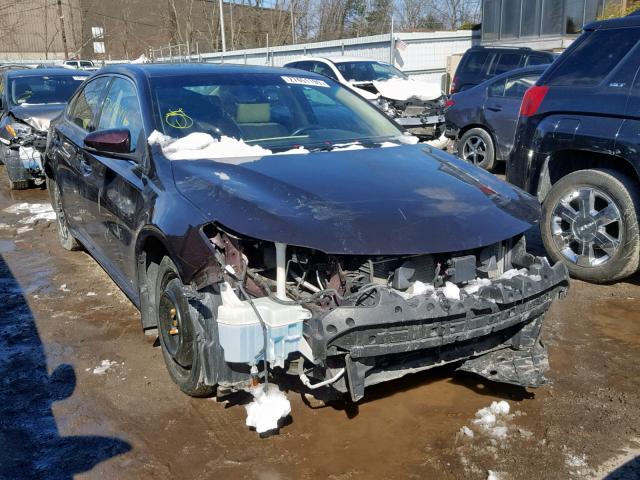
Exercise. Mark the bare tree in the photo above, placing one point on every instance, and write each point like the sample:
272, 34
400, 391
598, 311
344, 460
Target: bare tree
453, 13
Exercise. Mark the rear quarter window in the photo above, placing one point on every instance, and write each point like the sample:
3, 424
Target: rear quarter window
507, 62
598, 54
477, 62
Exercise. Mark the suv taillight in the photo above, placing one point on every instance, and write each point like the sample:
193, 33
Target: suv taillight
532, 99
452, 88
449, 103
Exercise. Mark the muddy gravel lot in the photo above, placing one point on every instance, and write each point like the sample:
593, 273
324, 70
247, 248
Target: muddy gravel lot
84, 393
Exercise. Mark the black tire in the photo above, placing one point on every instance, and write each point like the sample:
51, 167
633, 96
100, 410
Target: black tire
180, 348
67, 240
476, 146
603, 244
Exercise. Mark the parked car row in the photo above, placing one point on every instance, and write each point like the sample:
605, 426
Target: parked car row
569, 134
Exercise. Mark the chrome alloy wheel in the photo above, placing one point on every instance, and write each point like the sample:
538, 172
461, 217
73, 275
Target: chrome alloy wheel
474, 150
586, 226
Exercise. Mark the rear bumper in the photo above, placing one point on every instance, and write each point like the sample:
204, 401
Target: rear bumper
495, 331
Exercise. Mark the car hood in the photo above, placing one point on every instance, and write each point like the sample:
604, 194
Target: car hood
380, 201
37, 116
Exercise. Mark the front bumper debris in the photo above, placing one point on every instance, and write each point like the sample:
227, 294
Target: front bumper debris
495, 331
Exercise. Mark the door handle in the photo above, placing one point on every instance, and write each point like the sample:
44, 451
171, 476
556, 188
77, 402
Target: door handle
85, 167
495, 109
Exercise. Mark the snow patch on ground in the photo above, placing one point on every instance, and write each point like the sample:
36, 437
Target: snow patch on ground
491, 420
267, 408
104, 366
22, 230
37, 211
403, 89
63, 288
491, 475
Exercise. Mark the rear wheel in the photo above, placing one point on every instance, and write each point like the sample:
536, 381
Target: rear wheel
177, 331
590, 222
476, 146
67, 240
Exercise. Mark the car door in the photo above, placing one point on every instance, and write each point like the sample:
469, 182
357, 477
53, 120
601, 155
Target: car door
66, 146
117, 183
502, 108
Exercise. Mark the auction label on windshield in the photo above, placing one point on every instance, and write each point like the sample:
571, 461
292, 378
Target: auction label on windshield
311, 82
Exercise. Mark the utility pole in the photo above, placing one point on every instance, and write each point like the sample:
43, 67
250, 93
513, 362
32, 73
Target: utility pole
293, 24
224, 42
62, 32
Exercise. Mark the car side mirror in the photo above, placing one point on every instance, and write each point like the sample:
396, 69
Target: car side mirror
114, 141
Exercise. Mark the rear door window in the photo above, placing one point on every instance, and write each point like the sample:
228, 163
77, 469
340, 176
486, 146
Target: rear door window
496, 89
595, 57
323, 69
516, 86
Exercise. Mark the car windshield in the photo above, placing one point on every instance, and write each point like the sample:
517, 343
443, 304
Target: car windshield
45, 89
368, 71
277, 112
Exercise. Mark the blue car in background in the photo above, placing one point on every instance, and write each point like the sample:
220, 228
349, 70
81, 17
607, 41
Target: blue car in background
482, 120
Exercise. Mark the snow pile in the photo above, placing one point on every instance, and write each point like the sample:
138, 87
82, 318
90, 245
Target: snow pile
267, 408
402, 90
419, 288
37, 211
492, 419
103, 367
493, 475
63, 288
474, 285
200, 145
451, 291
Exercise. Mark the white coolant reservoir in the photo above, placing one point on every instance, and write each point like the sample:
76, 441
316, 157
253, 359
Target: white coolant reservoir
240, 332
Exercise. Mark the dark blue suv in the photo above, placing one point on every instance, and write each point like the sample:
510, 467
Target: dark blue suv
577, 149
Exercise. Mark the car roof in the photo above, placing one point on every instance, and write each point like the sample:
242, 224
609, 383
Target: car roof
43, 72
340, 59
150, 70
510, 73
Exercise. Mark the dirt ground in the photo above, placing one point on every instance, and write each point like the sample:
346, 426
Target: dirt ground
60, 417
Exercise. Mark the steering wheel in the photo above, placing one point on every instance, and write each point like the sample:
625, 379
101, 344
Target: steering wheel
308, 128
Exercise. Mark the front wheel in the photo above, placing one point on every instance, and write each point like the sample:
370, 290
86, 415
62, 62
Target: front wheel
476, 146
67, 240
590, 222
178, 327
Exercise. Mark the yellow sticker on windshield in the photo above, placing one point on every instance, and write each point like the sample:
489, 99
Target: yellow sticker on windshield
178, 119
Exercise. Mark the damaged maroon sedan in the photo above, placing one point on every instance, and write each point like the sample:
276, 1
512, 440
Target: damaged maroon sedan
270, 220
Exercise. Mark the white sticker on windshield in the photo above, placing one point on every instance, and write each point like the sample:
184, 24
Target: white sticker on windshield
311, 82
79, 78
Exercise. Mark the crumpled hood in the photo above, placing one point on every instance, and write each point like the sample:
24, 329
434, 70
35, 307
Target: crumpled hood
404, 89
37, 116
381, 201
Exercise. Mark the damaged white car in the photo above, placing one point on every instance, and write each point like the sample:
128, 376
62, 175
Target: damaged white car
415, 104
